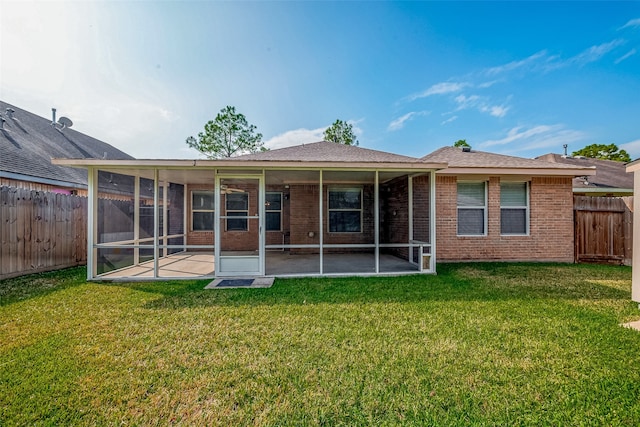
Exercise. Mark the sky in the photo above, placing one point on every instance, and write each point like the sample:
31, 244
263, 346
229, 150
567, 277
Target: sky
517, 78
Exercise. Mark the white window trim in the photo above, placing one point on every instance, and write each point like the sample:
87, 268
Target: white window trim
227, 217
329, 210
266, 211
194, 210
527, 209
484, 208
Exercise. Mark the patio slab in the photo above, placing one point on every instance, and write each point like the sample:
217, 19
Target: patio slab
632, 325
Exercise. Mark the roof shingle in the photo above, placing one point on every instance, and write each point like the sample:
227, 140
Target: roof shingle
28, 143
480, 159
324, 151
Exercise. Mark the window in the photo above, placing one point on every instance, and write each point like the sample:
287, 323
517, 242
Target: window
345, 210
202, 205
237, 204
472, 209
514, 208
273, 211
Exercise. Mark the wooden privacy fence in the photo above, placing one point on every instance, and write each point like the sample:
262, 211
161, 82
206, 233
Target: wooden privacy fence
41, 231
603, 229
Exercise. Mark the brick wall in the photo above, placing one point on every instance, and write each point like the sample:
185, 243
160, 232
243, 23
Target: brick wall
305, 219
394, 200
551, 224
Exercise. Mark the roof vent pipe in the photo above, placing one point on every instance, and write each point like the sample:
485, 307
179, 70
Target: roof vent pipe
466, 149
2, 122
53, 121
10, 112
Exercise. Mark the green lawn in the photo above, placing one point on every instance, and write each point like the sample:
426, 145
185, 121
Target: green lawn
478, 344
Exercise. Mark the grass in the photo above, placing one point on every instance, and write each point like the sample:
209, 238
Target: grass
478, 344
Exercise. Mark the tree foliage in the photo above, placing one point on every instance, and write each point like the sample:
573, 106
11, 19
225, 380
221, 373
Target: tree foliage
461, 143
604, 152
341, 133
228, 135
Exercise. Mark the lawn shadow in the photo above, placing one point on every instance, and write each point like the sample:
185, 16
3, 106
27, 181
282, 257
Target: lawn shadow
454, 282
35, 285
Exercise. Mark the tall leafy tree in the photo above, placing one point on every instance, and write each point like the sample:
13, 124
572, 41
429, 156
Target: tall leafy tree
604, 152
341, 133
228, 135
461, 143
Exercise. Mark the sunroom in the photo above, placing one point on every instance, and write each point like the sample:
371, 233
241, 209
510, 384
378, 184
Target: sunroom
314, 210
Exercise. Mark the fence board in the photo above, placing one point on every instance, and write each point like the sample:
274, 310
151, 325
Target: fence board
40, 231
603, 229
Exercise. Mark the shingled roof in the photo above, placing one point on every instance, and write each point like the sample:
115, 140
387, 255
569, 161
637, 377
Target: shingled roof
477, 161
610, 175
28, 142
324, 151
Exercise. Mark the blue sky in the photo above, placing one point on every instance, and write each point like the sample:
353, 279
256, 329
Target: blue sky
519, 78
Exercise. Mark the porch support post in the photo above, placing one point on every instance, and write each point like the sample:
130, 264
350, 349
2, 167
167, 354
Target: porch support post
92, 225
320, 234
216, 226
156, 222
376, 220
136, 220
432, 219
165, 219
410, 216
185, 215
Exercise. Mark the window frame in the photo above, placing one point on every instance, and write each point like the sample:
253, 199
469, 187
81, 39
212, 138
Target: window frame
212, 210
526, 208
329, 209
484, 208
267, 211
244, 217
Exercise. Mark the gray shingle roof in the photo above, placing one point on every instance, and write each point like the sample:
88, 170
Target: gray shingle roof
609, 174
327, 152
480, 159
28, 143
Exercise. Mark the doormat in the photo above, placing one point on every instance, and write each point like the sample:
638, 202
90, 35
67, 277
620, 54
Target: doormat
241, 282
234, 283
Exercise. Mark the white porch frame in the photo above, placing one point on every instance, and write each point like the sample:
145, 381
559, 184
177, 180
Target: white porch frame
426, 251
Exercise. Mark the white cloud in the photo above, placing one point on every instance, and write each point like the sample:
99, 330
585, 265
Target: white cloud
536, 137
439, 89
400, 121
594, 53
626, 56
449, 120
495, 110
632, 147
465, 102
297, 137
632, 23
474, 101
530, 61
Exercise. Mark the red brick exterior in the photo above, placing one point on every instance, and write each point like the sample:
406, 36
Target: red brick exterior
305, 219
550, 228
550, 221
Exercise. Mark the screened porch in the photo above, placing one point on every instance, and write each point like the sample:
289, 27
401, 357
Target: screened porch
205, 222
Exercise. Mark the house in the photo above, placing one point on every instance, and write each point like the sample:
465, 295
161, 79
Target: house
28, 142
494, 207
634, 167
323, 209
611, 178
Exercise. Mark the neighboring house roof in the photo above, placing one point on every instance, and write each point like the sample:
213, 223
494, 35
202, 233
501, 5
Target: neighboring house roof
610, 177
28, 142
324, 151
480, 162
